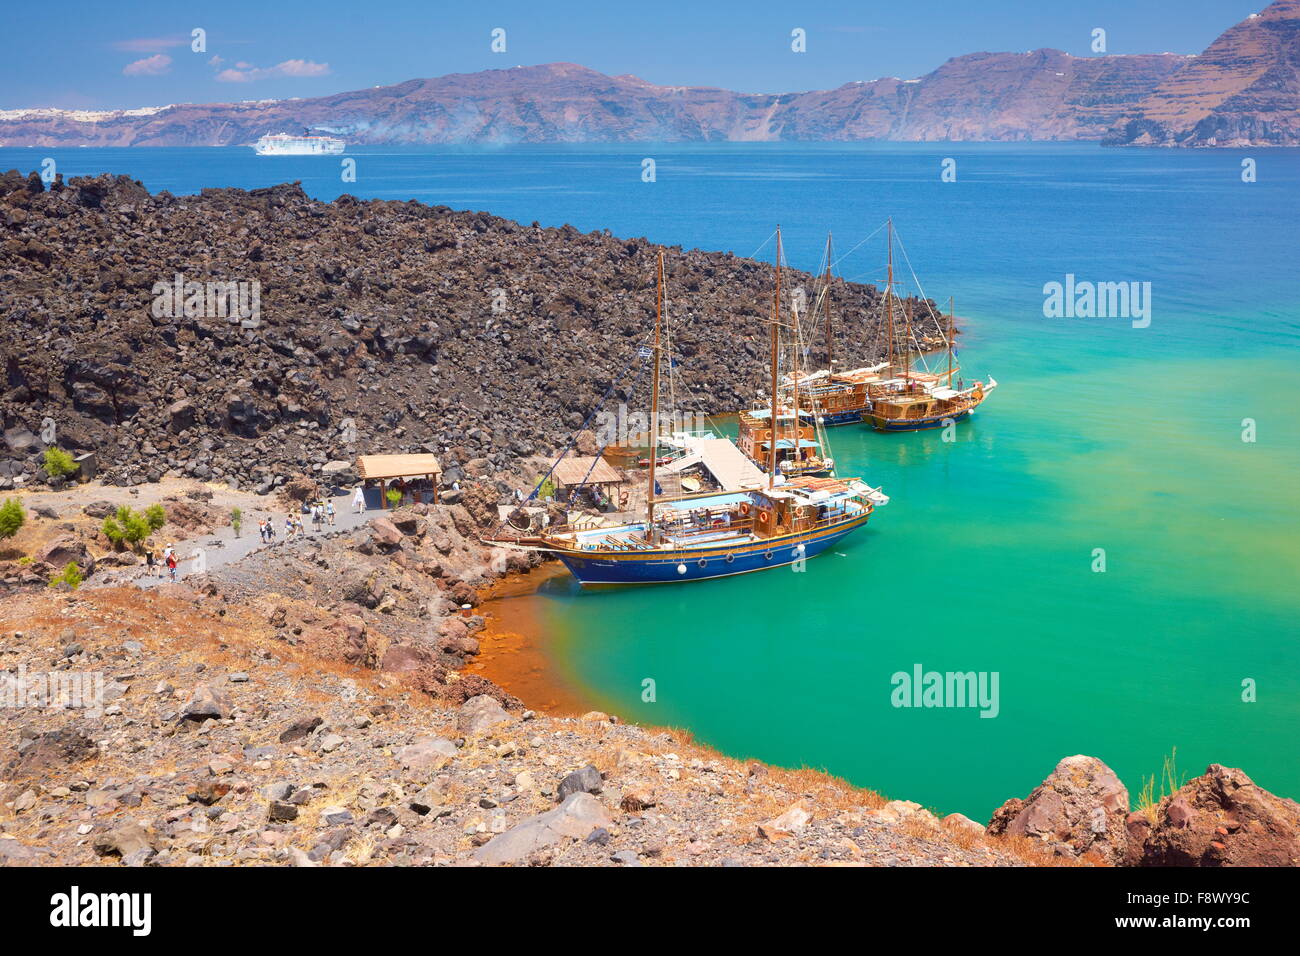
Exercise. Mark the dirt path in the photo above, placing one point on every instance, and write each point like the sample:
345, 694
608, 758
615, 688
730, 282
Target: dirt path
211, 551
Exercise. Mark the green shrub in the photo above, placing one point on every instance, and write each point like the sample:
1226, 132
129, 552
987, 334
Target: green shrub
12, 517
58, 463
236, 519
156, 515
394, 497
71, 575
113, 531
136, 527
129, 526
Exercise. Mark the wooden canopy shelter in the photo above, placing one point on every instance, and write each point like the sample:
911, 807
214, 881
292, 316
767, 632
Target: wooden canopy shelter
382, 468
569, 473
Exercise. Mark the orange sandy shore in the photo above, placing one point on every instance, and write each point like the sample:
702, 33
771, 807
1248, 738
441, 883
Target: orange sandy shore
512, 646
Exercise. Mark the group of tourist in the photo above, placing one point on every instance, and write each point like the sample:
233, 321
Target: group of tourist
320, 513
154, 566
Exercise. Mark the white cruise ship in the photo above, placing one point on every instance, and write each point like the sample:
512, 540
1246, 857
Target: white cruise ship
282, 144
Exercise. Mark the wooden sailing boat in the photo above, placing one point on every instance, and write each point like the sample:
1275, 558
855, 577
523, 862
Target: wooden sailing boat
829, 397
907, 400
892, 395
778, 436
694, 537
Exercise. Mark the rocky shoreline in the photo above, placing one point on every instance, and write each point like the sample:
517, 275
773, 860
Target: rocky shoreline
312, 704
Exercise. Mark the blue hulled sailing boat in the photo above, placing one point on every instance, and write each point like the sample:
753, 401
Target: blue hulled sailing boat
713, 534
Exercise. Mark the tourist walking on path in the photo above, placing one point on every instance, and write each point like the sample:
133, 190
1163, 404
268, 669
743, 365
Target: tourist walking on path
359, 501
288, 527
171, 563
329, 511
151, 566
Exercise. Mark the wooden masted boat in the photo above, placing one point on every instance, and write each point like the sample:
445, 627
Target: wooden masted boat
776, 437
911, 400
905, 406
710, 535
891, 396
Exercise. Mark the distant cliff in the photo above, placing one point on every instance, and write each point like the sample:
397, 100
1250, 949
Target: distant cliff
1243, 89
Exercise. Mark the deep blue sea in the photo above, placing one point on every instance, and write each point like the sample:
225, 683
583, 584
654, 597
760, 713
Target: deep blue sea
1101, 436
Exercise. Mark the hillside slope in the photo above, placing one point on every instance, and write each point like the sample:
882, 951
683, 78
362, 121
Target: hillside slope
384, 326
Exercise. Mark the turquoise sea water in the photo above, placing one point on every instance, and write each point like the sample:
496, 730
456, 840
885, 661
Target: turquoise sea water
1101, 436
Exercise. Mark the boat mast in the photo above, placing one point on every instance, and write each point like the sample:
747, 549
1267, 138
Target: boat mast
907, 344
794, 321
889, 293
950, 330
654, 403
826, 296
776, 318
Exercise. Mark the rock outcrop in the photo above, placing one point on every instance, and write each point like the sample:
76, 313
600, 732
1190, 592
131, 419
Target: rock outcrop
1079, 810
1219, 819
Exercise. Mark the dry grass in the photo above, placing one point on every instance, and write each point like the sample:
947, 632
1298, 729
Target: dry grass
1170, 782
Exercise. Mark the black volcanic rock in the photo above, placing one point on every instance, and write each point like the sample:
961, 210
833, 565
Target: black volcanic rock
383, 326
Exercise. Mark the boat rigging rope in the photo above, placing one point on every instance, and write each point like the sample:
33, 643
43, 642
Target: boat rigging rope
924, 298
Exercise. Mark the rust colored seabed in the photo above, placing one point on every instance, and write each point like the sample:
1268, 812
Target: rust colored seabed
512, 645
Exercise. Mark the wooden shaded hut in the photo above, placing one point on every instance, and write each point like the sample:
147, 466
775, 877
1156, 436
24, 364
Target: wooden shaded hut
408, 471
570, 474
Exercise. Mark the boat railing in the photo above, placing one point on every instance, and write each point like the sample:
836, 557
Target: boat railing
686, 528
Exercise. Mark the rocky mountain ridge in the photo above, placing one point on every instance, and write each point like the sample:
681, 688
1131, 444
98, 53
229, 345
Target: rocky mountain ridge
1242, 90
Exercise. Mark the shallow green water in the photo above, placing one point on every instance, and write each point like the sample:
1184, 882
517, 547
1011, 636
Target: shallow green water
1100, 436
983, 561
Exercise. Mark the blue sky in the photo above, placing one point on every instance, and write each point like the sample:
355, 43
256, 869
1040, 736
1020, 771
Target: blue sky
98, 55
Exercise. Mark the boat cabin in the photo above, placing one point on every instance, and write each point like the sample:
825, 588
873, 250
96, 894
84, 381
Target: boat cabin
898, 400
797, 447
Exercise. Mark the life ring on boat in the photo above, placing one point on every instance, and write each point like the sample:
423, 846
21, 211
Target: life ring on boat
763, 517
745, 508
623, 499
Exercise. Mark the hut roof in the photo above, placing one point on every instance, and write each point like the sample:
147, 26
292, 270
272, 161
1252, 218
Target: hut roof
398, 466
575, 471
